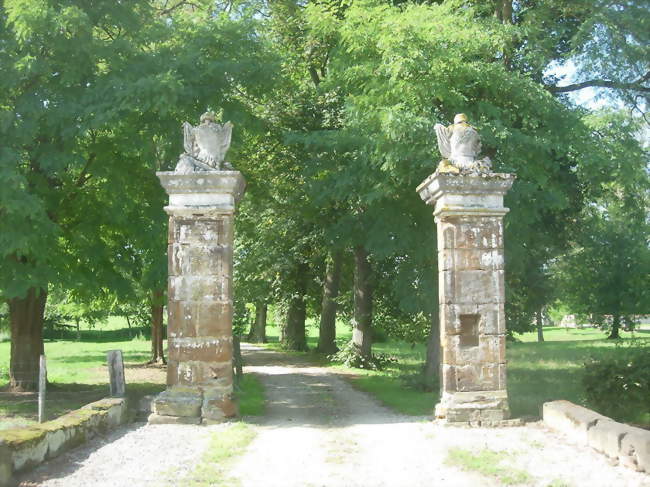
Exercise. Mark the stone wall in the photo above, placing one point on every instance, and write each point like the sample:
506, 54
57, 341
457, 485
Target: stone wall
24, 448
625, 444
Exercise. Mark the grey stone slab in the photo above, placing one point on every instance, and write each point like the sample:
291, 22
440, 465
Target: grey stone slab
161, 419
605, 436
570, 419
635, 449
185, 403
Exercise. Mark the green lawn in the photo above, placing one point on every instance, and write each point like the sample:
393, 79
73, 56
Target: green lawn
77, 375
537, 372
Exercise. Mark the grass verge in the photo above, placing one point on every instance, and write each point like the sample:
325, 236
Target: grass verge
488, 463
251, 396
225, 446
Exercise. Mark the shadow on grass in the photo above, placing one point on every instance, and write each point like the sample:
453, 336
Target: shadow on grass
100, 336
548, 371
100, 357
21, 408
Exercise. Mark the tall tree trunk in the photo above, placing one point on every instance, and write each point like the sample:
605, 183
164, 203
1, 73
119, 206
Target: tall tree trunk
294, 337
540, 325
258, 330
432, 362
157, 304
362, 331
26, 326
507, 12
128, 323
327, 329
616, 326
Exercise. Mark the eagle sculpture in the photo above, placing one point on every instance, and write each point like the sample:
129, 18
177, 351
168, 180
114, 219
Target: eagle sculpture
205, 145
460, 145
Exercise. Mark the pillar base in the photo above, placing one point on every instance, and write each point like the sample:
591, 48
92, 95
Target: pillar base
481, 408
193, 405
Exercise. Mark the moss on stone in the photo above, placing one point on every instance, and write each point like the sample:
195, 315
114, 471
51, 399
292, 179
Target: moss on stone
70, 420
104, 404
22, 437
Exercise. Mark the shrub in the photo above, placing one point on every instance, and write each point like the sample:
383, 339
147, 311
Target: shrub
349, 356
4, 373
618, 385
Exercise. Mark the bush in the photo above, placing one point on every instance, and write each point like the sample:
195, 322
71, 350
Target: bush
349, 356
618, 385
4, 373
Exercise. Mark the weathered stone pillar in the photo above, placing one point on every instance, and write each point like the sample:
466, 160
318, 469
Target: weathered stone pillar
469, 216
199, 336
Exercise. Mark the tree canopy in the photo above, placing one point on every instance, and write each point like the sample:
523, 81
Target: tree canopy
334, 104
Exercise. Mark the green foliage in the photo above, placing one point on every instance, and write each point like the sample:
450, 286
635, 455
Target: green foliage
349, 356
92, 97
607, 270
618, 384
4, 317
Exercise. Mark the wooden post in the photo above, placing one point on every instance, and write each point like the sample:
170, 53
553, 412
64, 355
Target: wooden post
42, 381
116, 372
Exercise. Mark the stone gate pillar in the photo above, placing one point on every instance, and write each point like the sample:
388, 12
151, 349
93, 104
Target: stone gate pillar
200, 307
469, 216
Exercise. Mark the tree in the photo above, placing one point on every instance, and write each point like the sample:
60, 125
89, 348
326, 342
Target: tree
258, 328
327, 326
90, 92
606, 273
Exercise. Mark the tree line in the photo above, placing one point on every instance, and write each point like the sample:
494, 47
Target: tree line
334, 104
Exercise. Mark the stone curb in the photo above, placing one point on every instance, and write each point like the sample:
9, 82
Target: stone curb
626, 444
25, 448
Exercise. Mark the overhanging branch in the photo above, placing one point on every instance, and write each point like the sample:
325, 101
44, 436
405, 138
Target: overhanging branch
601, 83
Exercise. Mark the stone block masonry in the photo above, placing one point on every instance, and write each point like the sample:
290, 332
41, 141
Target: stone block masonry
469, 215
628, 445
25, 448
200, 299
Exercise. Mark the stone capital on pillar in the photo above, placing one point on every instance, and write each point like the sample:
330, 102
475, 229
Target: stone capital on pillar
200, 301
453, 194
209, 191
468, 210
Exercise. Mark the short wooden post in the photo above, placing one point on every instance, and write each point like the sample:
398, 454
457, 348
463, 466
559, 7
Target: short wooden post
42, 381
116, 372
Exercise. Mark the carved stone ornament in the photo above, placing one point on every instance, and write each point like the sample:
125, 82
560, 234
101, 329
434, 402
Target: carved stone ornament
205, 146
460, 145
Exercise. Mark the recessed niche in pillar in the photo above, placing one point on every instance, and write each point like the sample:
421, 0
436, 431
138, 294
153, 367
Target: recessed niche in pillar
469, 330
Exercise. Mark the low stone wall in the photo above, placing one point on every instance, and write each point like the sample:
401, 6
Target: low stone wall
628, 445
24, 448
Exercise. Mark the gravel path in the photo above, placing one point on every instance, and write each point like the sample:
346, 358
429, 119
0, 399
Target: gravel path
136, 456
320, 432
